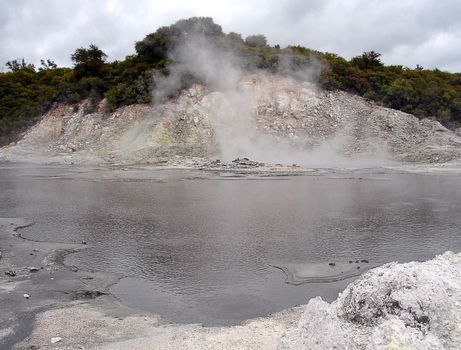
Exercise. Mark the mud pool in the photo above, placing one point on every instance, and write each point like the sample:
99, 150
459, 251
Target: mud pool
218, 249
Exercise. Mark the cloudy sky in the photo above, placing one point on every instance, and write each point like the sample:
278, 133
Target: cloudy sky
407, 32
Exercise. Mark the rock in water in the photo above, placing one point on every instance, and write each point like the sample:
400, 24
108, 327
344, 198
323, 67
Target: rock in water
396, 306
10, 273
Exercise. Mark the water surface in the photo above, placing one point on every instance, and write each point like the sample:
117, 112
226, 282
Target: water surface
197, 247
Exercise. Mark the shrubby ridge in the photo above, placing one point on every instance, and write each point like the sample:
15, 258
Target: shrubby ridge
26, 91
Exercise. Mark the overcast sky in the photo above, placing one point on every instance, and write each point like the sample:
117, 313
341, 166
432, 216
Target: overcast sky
406, 32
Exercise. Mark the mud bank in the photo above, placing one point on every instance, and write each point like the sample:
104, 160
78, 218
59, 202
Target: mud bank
33, 278
407, 306
41, 298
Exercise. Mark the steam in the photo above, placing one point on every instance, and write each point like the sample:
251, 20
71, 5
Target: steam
198, 58
231, 103
306, 71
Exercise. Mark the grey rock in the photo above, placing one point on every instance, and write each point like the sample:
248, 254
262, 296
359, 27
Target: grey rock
318, 329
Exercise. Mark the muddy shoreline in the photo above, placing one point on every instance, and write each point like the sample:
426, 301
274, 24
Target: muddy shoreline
52, 285
76, 305
61, 313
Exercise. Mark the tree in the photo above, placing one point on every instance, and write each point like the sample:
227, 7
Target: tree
197, 25
48, 64
14, 65
88, 62
368, 60
401, 94
235, 37
256, 40
156, 46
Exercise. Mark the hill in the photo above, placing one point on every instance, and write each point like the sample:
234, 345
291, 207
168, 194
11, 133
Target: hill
266, 117
26, 92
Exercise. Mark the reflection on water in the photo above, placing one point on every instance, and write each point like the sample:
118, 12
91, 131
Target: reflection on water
199, 248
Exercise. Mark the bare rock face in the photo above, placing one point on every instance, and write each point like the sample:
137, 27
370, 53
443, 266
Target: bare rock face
396, 306
267, 118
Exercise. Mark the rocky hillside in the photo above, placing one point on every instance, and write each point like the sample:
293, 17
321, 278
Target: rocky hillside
268, 118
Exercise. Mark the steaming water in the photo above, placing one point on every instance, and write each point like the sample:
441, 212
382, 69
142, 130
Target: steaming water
196, 247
